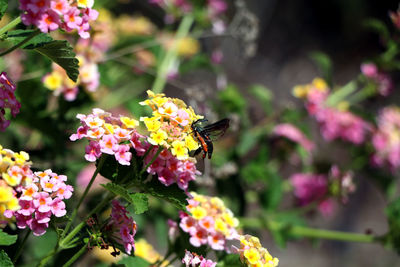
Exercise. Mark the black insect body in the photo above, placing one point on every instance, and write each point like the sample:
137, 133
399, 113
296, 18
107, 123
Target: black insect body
205, 135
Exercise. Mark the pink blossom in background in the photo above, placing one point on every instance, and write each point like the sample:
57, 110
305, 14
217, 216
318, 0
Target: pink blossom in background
84, 176
383, 80
7, 100
293, 133
335, 124
395, 17
323, 189
386, 139
309, 187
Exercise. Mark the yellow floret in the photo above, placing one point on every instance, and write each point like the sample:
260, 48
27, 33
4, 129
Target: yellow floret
11, 180
198, 213
179, 150
53, 81
190, 143
152, 124
252, 255
129, 123
158, 138
320, 84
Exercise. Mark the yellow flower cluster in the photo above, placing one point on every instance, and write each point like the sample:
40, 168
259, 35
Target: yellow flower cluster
188, 47
253, 254
146, 251
301, 91
170, 124
213, 207
14, 170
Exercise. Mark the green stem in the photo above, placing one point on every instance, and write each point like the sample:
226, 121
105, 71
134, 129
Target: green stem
48, 257
74, 213
302, 231
64, 242
76, 256
171, 54
27, 39
160, 148
21, 246
10, 25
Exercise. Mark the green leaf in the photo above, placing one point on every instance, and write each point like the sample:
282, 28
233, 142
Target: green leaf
5, 260
172, 193
342, 93
140, 202
392, 238
324, 64
6, 239
3, 7
247, 141
118, 190
230, 260
379, 27
264, 96
58, 51
134, 262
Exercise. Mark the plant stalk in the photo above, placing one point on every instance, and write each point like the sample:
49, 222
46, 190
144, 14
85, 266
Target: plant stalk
171, 54
10, 25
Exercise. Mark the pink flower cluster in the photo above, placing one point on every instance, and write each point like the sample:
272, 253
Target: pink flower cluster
383, 81
210, 222
40, 200
171, 170
335, 123
7, 100
124, 225
293, 133
49, 15
322, 188
386, 139
116, 136
193, 260
107, 134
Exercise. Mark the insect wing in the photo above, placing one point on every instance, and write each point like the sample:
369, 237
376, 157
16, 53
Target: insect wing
216, 129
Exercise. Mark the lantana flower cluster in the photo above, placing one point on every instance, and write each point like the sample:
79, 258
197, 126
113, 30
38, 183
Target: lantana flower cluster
122, 226
294, 134
170, 124
193, 260
50, 15
7, 100
108, 134
117, 136
209, 222
254, 254
15, 174
40, 200
322, 189
386, 138
335, 121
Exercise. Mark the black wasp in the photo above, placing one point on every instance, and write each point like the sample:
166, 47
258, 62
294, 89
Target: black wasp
205, 134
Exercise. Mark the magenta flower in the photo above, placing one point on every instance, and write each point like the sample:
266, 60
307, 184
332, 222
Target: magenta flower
383, 81
122, 155
293, 133
7, 100
123, 228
